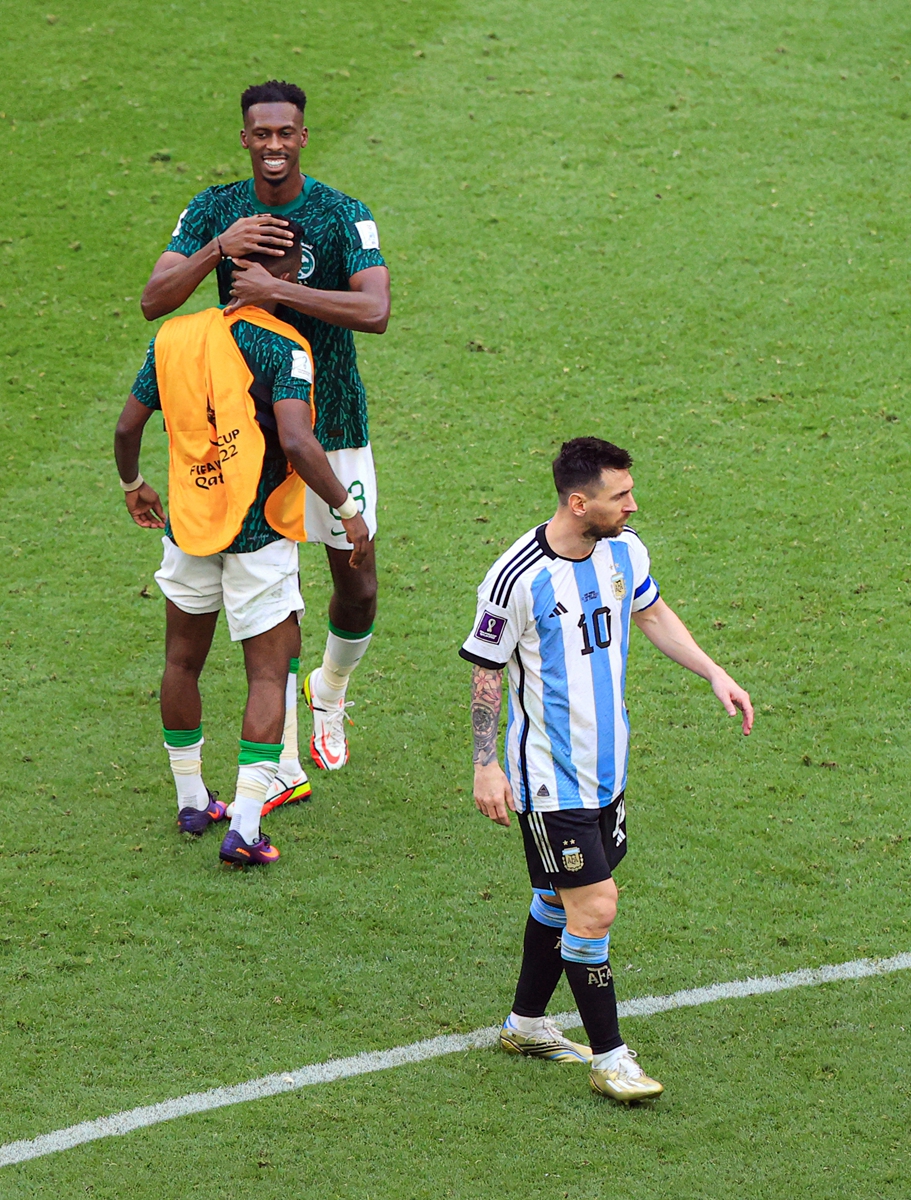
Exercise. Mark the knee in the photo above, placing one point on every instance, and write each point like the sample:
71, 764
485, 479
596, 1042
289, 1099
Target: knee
363, 596
179, 662
596, 922
598, 914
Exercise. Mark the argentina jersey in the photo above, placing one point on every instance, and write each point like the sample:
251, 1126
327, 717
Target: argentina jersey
561, 627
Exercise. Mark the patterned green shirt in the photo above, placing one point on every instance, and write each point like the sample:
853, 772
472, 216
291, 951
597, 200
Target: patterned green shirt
279, 373
340, 239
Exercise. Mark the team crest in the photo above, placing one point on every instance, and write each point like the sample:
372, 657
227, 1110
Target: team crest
618, 586
572, 858
308, 264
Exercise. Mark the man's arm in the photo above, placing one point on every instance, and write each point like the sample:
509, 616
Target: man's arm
308, 458
492, 793
143, 503
175, 277
664, 629
364, 308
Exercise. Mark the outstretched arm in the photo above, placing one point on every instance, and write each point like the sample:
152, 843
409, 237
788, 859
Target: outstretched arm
664, 629
143, 503
492, 793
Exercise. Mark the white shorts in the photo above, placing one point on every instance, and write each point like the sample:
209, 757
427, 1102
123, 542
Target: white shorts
257, 591
355, 469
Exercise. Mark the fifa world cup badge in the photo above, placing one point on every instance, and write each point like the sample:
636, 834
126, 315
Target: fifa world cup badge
572, 857
618, 585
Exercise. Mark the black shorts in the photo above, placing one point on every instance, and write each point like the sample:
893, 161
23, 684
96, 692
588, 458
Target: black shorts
573, 846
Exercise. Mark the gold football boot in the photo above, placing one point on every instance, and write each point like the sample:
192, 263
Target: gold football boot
624, 1082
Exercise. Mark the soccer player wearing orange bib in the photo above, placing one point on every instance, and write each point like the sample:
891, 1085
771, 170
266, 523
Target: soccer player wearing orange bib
236, 392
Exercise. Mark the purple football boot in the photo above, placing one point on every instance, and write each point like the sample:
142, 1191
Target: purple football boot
235, 850
198, 820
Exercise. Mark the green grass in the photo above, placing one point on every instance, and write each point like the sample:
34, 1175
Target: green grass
744, 334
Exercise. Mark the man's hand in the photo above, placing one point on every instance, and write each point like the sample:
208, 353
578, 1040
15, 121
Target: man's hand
733, 697
492, 793
144, 506
359, 536
252, 284
262, 234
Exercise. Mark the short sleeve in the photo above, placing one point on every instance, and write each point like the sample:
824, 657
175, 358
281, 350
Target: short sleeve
497, 627
194, 226
360, 238
291, 369
645, 589
145, 389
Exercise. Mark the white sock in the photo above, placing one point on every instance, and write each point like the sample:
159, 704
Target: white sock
290, 766
525, 1024
609, 1059
186, 766
341, 656
252, 784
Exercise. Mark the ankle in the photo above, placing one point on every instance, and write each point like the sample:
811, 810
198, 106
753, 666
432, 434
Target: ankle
610, 1058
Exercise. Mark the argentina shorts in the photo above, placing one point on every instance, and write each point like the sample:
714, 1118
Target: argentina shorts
355, 469
257, 590
573, 846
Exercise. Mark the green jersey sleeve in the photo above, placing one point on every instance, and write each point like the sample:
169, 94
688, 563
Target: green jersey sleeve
293, 373
280, 367
194, 227
360, 239
145, 389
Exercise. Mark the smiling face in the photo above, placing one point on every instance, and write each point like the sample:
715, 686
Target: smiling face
602, 508
275, 135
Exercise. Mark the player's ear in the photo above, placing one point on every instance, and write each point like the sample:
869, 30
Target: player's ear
243, 139
305, 136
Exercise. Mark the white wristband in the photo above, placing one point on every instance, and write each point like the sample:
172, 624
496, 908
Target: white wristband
131, 487
348, 510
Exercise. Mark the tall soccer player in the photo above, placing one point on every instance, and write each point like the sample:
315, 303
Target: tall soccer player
342, 286
555, 611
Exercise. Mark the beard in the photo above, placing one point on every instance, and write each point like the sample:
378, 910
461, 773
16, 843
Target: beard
596, 533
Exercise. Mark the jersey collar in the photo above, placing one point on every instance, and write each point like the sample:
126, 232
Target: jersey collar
281, 210
541, 537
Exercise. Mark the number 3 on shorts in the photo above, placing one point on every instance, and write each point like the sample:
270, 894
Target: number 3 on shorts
356, 492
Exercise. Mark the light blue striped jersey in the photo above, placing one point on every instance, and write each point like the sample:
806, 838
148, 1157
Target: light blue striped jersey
562, 629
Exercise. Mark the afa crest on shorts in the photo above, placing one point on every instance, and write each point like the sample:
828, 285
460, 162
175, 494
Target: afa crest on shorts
572, 857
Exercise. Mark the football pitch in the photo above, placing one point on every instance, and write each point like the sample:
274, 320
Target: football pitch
683, 227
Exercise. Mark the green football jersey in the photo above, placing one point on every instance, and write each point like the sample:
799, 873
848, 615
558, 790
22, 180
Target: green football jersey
281, 371
340, 239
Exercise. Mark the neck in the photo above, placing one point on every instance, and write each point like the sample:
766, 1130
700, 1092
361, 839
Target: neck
268, 306
274, 195
564, 537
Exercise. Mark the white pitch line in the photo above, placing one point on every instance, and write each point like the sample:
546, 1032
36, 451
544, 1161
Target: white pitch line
381, 1060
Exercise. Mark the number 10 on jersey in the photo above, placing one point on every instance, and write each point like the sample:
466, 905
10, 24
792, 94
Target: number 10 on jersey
600, 630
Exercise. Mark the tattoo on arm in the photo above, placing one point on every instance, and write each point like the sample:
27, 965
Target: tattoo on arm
486, 700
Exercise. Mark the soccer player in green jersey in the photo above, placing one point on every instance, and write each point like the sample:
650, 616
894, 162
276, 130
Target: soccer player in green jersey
342, 286
254, 578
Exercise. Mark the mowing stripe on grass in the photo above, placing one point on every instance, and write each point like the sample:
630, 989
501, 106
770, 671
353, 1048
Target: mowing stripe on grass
381, 1060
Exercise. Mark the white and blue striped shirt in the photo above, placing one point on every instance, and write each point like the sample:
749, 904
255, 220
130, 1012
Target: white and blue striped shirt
562, 628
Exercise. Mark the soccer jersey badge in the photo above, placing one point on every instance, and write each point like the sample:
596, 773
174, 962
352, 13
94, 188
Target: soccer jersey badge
618, 585
572, 857
308, 263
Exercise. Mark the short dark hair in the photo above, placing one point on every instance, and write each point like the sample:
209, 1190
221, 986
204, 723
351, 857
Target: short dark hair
274, 91
581, 461
291, 257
